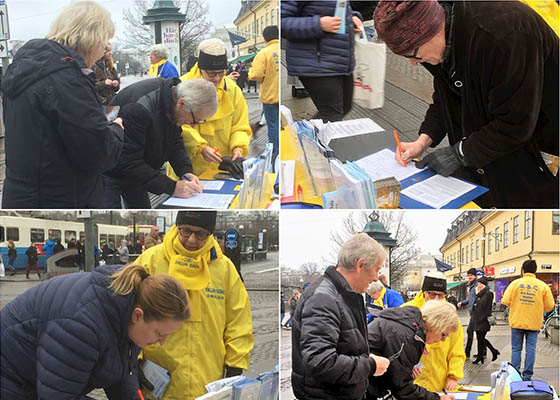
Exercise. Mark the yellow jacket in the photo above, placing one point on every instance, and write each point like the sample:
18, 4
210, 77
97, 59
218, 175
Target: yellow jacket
197, 352
444, 359
528, 298
548, 10
227, 129
265, 70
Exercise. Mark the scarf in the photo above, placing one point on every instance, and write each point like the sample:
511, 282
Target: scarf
190, 268
154, 68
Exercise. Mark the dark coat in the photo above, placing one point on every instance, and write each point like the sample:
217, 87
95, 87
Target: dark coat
67, 336
102, 73
12, 254
365, 8
497, 89
386, 334
31, 254
482, 309
330, 357
58, 140
151, 136
309, 50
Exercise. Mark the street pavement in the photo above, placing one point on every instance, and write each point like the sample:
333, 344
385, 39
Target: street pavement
546, 365
261, 280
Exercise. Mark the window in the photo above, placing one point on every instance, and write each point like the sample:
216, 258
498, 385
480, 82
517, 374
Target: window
69, 235
497, 236
489, 244
527, 224
262, 24
472, 251
462, 255
102, 238
55, 234
555, 222
112, 239
253, 29
467, 254
267, 18
119, 240
256, 30
37, 235
12, 233
516, 229
2, 234
506, 234
272, 17
82, 235
458, 256
477, 248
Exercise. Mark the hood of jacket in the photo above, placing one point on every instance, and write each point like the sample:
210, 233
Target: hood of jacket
409, 317
37, 59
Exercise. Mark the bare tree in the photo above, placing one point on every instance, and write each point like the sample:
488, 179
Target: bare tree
310, 268
395, 223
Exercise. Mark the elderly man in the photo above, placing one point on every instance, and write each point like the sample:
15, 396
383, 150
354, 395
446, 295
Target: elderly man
382, 297
152, 238
495, 69
218, 337
227, 133
443, 362
153, 112
159, 66
330, 356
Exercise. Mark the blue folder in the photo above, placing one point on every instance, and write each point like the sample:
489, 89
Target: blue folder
228, 188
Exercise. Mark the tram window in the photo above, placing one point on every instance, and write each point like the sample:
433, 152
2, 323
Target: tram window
82, 235
119, 240
12, 233
55, 234
2, 234
37, 235
102, 238
112, 239
69, 235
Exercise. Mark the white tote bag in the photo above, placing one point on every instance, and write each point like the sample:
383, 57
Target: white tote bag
369, 73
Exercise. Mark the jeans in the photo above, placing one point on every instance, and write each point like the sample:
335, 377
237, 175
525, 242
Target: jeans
111, 193
271, 113
530, 349
332, 95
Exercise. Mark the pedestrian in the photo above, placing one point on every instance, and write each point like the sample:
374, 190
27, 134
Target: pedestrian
152, 238
48, 248
495, 69
442, 363
160, 67
81, 254
153, 111
265, 71
527, 298
401, 335
222, 140
217, 339
366, 9
330, 354
322, 58
107, 81
282, 307
32, 260
452, 299
88, 338
12, 255
123, 252
53, 116
382, 297
58, 247
482, 310
293, 305
72, 243
471, 287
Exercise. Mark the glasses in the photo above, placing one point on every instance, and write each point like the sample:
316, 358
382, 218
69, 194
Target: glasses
397, 354
194, 121
200, 235
213, 74
444, 336
436, 295
414, 55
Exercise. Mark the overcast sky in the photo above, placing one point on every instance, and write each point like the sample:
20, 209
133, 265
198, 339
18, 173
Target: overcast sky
305, 234
31, 19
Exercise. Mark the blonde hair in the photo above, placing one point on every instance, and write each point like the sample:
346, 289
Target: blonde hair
440, 316
360, 245
213, 47
159, 296
374, 287
83, 26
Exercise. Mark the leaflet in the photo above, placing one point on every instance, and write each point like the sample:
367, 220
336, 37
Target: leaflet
202, 200
437, 190
212, 185
383, 165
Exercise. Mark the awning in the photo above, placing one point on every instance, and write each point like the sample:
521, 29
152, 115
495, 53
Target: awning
454, 284
244, 58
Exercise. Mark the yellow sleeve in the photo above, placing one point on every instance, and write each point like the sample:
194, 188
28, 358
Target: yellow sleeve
258, 69
456, 357
506, 298
548, 299
194, 143
238, 334
240, 130
144, 261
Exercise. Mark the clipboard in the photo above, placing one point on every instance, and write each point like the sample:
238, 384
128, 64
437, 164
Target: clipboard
230, 186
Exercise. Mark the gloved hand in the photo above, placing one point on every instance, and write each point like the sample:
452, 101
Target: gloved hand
143, 381
235, 168
232, 371
444, 161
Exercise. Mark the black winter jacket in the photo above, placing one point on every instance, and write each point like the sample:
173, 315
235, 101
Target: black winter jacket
31, 254
393, 329
482, 309
151, 136
330, 357
58, 141
497, 89
67, 336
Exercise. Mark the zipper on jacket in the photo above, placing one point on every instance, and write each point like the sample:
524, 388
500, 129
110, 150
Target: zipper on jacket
318, 50
129, 361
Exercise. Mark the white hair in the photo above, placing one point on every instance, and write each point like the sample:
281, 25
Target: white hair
198, 94
374, 287
360, 245
159, 50
213, 47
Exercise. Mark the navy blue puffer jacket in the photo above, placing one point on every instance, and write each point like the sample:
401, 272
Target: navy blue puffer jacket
310, 51
67, 336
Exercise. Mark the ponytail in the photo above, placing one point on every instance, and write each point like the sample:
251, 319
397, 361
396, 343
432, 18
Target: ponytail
128, 279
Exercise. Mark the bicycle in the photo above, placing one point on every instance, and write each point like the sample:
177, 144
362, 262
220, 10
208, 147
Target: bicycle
550, 319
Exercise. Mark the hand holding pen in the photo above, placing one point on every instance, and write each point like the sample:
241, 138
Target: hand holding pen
211, 155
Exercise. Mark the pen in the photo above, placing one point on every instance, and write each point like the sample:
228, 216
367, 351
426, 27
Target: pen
187, 178
140, 394
444, 391
300, 193
217, 150
399, 148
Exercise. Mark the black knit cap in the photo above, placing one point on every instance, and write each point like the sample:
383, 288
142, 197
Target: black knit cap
203, 219
471, 271
432, 283
212, 63
483, 280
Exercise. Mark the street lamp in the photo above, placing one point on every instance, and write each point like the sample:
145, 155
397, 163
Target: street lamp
242, 237
265, 247
375, 229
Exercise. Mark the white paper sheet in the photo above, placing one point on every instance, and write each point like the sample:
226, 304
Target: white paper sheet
437, 190
287, 177
202, 200
213, 185
458, 395
347, 128
383, 165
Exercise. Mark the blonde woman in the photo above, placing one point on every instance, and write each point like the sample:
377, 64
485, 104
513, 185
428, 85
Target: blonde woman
55, 126
74, 333
401, 335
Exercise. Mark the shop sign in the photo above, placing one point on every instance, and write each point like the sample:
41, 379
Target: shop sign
489, 271
507, 270
546, 266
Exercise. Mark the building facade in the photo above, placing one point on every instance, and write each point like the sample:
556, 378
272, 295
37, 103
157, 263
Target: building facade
251, 20
498, 242
417, 270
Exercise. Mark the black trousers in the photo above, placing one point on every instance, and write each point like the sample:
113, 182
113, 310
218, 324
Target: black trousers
470, 336
332, 95
483, 343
